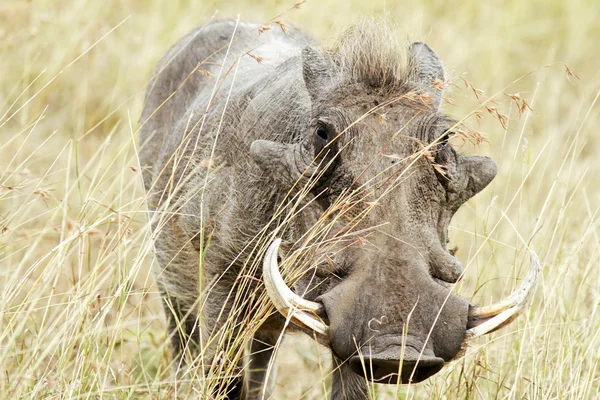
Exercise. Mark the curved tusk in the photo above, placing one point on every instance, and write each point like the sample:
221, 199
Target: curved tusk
484, 320
300, 311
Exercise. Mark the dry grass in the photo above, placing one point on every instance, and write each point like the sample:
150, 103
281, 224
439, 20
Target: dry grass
80, 316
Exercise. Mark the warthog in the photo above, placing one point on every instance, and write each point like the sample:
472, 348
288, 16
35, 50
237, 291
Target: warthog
252, 135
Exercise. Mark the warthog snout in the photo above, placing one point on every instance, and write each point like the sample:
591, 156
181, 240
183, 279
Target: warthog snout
391, 331
397, 364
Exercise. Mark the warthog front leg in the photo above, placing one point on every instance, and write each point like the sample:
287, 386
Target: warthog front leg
201, 355
261, 352
346, 385
183, 332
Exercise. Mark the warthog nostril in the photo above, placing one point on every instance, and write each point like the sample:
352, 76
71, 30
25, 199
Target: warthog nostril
386, 371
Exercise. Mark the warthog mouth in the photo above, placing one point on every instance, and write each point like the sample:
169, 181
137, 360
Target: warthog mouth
384, 366
388, 371
398, 359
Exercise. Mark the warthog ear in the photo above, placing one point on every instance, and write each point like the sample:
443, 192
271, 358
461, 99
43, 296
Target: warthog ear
317, 72
427, 70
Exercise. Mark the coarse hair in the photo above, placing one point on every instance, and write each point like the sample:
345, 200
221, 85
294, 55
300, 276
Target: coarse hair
369, 52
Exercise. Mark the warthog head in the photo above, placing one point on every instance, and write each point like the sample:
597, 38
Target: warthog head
384, 184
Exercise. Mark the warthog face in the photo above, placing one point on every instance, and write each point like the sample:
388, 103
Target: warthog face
380, 298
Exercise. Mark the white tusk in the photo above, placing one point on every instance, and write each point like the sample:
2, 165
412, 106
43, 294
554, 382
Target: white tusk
490, 318
300, 311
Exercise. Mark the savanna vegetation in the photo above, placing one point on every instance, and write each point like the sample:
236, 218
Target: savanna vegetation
80, 316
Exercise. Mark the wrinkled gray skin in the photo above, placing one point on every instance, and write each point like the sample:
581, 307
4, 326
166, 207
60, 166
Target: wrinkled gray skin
372, 289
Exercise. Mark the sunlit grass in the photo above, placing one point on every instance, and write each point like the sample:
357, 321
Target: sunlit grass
80, 315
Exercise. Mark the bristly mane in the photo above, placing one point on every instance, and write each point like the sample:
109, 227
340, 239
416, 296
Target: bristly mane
369, 52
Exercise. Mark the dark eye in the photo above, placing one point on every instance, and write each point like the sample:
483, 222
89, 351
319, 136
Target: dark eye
322, 132
443, 141
443, 155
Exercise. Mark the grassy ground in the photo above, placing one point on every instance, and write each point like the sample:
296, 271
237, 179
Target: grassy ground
80, 316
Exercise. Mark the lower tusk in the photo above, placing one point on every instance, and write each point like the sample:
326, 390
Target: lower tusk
300, 311
484, 320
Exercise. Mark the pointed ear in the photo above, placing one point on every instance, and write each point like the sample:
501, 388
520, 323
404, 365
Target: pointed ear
317, 72
427, 69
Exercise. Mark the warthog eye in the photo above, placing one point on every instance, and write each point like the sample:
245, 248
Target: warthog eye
325, 149
322, 132
445, 139
443, 155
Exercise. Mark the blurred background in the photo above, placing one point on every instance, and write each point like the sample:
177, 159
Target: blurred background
79, 314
